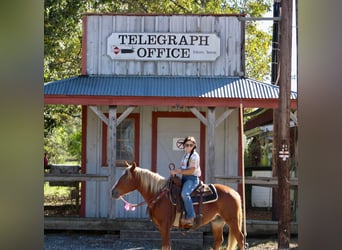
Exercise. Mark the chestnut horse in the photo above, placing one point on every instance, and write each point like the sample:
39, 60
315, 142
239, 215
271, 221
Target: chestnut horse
226, 209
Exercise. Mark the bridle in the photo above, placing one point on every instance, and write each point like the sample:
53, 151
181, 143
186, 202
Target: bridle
150, 203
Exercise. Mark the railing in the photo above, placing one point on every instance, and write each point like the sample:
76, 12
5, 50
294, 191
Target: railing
69, 173
259, 181
66, 201
74, 177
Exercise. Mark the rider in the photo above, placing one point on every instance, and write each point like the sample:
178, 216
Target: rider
190, 171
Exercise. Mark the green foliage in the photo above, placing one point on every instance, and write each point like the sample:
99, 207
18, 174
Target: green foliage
74, 145
62, 39
62, 132
62, 52
258, 53
59, 115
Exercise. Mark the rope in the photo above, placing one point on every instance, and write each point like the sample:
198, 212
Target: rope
131, 207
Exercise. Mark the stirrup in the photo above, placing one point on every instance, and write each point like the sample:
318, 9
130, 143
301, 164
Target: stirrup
246, 246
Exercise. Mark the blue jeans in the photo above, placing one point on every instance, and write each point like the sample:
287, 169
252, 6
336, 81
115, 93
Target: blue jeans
190, 182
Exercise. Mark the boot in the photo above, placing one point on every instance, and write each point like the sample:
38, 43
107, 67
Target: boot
187, 222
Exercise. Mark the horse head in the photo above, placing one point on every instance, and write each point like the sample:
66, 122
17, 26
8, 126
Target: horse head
126, 182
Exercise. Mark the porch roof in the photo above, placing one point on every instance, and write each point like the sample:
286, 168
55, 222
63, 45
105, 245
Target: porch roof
160, 90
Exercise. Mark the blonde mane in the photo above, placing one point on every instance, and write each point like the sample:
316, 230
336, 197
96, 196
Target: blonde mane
150, 181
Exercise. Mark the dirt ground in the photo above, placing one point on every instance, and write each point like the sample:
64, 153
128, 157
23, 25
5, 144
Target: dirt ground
104, 241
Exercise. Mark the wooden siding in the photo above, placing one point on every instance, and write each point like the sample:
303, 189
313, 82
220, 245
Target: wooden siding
99, 27
96, 198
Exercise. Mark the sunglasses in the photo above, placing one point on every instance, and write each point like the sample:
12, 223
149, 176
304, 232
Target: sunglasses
189, 145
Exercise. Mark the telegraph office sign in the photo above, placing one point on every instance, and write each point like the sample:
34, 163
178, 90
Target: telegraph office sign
163, 46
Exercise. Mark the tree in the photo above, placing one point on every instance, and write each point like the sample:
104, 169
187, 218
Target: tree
62, 132
62, 45
63, 31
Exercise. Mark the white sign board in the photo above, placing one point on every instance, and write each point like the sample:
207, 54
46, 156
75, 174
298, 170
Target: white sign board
177, 144
163, 46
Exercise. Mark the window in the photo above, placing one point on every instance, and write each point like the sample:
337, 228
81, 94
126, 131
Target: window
127, 142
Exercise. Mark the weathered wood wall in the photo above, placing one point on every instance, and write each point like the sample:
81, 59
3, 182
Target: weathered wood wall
227, 28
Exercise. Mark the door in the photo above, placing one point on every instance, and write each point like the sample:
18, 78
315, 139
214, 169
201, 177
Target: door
171, 130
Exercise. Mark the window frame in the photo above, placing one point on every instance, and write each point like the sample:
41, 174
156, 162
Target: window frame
121, 163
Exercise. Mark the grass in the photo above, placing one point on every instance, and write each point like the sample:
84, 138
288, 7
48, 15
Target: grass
56, 190
60, 193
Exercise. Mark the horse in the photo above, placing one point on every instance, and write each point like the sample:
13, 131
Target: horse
227, 209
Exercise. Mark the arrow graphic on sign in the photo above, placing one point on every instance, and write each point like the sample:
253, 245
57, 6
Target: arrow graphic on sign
284, 153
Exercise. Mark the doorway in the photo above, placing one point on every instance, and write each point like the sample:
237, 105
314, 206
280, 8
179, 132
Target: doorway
168, 130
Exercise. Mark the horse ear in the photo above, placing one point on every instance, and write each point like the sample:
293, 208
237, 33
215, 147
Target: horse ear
132, 167
127, 164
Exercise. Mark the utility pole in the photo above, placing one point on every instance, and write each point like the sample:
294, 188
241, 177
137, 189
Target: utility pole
275, 80
283, 145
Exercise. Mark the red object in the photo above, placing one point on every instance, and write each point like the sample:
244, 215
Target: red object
116, 50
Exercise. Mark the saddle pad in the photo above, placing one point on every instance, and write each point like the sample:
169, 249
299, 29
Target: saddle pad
206, 198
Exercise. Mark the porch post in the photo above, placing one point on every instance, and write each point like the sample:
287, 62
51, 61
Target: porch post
211, 144
111, 156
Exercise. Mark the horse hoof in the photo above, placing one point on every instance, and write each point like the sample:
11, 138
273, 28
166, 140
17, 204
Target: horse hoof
246, 245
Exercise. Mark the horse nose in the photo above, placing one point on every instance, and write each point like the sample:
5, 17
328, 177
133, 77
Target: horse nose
115, 193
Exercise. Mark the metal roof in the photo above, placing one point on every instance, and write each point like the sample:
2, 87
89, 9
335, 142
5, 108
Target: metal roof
164, 86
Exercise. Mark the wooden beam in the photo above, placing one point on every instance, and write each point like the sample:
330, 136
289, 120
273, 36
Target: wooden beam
223, 117
75, 177
283, 147
111, 155
254, 227
211, 145
260, 18
242, 172
112, 122
164, 101
211, 123
99, 114
104, 118
199, 115
258, 181
205, 120
125, 114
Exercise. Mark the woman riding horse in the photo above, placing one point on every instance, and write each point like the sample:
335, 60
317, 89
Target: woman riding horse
190, 171
227, 209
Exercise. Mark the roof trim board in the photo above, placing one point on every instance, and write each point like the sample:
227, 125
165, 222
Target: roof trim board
162, 101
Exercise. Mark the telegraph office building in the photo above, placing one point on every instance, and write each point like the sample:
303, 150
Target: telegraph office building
147, 82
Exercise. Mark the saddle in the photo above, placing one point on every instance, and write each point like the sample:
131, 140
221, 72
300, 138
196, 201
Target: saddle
203, 193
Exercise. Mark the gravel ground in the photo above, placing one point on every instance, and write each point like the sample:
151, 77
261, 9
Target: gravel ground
103, 241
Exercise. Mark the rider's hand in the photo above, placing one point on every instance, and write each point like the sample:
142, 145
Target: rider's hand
175, 171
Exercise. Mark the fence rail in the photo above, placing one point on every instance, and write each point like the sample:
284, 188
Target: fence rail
259, 181
75, 177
